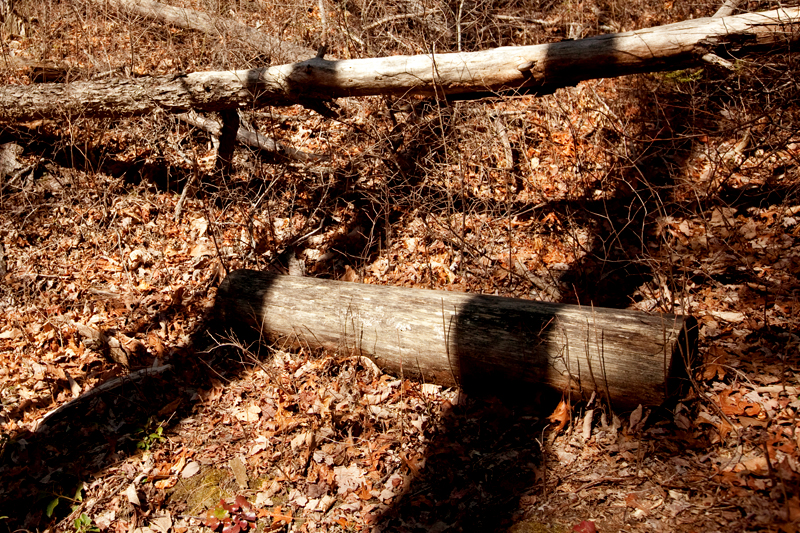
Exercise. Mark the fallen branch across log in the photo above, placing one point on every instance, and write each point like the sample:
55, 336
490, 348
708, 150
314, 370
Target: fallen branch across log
272, 47
539, 68
485, 344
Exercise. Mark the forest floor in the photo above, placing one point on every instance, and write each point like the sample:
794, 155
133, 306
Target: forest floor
125, 409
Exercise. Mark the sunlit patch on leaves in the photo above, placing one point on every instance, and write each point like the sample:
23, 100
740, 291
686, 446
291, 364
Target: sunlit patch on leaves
695, 176
231, 517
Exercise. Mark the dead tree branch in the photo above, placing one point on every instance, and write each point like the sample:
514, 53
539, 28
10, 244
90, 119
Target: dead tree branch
274, 48
250, 138
537, 69
479, 342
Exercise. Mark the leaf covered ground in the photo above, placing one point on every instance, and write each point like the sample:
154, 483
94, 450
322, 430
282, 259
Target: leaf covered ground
125, 407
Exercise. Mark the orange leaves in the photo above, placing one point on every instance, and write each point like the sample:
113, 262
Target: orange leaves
566, 141
279, 518
793, 512
735, 404
413, 463
586, 526
364, 493
716, 366
561, 415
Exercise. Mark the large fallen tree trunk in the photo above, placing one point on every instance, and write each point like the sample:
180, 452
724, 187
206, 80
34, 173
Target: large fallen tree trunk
539, 68
482, 343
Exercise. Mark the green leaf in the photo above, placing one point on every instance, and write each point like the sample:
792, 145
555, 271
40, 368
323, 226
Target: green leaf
83, 524
220, 513
51, 507
78, 496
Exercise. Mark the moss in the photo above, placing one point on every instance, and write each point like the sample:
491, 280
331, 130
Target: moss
684, 76
260, 483
203, 490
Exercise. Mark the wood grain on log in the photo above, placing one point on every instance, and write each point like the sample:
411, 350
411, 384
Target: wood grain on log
482, 343
539, 68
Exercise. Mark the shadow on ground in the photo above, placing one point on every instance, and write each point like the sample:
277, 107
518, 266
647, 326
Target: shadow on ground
476, 470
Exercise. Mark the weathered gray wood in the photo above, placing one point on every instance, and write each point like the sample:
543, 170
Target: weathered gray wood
226, 29
250, 138
486, 343
537, 68
727, 8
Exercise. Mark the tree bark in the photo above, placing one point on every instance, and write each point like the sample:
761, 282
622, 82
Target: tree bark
727, 9
540, 68
486, 344
272, 47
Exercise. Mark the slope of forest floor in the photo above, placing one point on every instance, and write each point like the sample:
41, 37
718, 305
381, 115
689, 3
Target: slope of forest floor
672, 192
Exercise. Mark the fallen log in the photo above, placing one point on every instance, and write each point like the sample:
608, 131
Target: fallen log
227, 29
539, 69
482, 343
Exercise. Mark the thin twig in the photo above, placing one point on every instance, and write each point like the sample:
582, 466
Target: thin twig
185, 192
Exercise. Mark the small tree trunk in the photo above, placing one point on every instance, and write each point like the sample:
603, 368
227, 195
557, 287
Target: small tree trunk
485, 344
227, 141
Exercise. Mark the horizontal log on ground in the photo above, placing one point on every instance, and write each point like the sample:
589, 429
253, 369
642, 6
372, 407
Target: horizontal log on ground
539, 68
482, 343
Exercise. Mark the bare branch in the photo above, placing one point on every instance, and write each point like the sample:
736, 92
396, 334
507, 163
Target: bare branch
196, 20
250, 138
538, 69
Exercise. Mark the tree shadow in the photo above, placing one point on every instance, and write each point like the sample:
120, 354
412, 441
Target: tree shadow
508, 355
488, 454
487, 457
42, 470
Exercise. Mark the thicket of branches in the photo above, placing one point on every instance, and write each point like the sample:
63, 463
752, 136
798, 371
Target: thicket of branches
671, 191
589, 174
